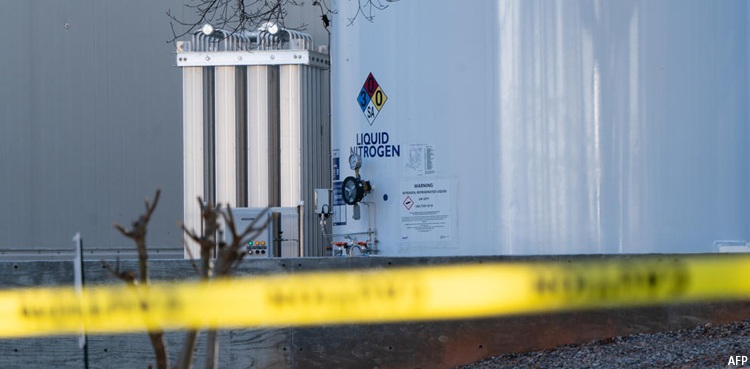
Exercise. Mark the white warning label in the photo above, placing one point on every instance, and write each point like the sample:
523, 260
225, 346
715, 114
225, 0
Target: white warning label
427, 211
420, 160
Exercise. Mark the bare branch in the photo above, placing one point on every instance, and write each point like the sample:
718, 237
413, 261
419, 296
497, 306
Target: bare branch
366, 8
150, 207
138, 233
230, 256
191, 234
191, 257
231, 15
207, 243
127, 276
324, 12
123, 231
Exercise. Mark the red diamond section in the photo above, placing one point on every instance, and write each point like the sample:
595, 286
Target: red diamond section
370, 85
408, 203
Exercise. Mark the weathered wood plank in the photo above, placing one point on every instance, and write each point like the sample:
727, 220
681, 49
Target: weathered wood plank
48, 352
265, 348
134, 350
35, 273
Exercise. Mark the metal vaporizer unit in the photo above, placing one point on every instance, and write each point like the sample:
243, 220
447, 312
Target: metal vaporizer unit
256, 127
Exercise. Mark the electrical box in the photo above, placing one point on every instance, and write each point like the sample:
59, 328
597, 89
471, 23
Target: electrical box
260, 244
281, 236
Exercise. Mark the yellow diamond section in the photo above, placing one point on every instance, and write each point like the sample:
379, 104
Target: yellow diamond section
378, 98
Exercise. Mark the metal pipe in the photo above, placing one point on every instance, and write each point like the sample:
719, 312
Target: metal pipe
372, 230
301, 220
208, 36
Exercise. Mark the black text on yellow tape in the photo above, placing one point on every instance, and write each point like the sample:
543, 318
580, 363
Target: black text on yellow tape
404, 294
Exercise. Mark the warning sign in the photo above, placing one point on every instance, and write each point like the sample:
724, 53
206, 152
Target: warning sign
371, 98
428, 212
408, 203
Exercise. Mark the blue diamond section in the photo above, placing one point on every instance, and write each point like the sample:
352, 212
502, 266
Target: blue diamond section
363, 99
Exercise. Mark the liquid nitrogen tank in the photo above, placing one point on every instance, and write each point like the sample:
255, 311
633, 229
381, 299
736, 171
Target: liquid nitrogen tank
540, 127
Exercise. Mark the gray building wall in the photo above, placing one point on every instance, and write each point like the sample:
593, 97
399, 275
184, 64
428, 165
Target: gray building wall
90, 120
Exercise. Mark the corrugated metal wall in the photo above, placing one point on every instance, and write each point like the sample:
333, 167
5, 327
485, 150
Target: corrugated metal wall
90, 120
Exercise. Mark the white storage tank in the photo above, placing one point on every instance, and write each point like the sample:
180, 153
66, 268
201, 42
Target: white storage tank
542, 127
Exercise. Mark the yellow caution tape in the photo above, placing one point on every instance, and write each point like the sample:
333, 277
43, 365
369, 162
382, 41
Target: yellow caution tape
399, 294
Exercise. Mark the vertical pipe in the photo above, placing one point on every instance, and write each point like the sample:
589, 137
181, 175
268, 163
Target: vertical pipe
263, 144
325, 155
305, 152
290, 135
226, 126
241, 135
318, 156
312, 161
257, 132
209, 140
209, 132
301, 229
312, 124
274, 151
262, 136
325, 94
192, 136
274, 136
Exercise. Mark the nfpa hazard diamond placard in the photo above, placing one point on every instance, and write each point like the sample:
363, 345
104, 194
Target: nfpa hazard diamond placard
371, 98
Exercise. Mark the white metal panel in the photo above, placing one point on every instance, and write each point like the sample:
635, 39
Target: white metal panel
304, 164
192, 136
322, 145
325, 116
226, 132
306, 184
256, 57
258, 133
318, 145
557, 126
290, 144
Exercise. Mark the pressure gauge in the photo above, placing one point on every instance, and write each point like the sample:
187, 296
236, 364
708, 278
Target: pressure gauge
355, 161
353, 190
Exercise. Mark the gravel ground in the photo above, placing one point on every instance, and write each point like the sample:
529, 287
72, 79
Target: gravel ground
708, 346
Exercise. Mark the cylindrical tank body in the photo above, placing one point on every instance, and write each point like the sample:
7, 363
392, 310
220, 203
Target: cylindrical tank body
543, 127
